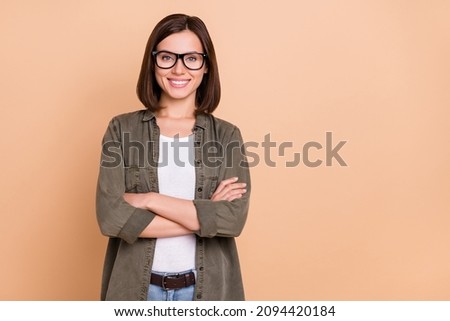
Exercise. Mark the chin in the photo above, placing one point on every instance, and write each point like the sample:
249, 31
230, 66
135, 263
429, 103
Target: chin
179, 95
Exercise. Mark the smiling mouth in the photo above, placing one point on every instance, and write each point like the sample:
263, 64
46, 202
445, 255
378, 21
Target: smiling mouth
178, 83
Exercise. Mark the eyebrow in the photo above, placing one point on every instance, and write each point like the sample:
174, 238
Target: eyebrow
179, 53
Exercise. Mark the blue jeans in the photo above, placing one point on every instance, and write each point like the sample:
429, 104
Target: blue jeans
157, 293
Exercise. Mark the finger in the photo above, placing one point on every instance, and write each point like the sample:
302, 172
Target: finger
235, 192
231, 188
230, 199
225, 183
230, 194
220, 194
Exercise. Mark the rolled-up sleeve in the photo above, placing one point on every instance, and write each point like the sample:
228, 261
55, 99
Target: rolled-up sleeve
224, 218
115, 216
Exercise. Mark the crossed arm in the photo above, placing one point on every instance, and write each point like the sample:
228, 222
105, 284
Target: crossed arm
177, 216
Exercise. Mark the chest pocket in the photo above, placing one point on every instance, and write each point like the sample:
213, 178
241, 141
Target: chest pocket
139, 179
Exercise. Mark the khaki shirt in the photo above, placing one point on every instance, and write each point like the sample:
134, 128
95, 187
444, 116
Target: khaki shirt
130, 154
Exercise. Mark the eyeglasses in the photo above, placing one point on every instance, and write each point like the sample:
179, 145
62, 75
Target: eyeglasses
191, 60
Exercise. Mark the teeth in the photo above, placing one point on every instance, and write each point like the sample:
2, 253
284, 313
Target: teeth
179, 82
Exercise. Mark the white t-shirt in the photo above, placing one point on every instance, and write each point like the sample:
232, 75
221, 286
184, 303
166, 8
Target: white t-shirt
176, 177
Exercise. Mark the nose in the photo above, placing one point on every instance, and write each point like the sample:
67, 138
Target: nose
179, 68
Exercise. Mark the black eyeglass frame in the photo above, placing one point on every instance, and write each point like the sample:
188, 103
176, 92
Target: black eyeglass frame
180, 56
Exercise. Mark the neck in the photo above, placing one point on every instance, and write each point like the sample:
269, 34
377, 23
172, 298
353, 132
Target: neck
172, 108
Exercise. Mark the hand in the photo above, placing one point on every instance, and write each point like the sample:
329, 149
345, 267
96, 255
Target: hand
229, 190
139, 200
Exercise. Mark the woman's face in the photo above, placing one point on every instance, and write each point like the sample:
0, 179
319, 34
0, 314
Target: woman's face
179, 82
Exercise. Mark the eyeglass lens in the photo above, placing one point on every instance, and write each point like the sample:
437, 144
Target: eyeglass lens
167, 60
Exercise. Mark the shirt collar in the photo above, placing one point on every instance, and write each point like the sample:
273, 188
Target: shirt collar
200, 121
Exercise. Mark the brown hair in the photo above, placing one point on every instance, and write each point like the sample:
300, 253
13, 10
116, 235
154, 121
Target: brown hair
208, 93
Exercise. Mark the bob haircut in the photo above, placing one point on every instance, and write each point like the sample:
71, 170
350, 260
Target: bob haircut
208, 93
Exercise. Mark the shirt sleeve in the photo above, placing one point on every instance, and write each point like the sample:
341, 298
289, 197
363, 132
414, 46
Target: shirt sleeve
115, 216
224, 218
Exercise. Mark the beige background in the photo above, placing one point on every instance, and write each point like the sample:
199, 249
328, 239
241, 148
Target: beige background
375, 73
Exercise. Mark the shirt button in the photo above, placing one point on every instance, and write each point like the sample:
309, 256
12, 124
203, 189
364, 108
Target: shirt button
201, 268
199, 296
199, 189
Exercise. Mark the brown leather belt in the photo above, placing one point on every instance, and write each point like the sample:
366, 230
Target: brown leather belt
172, 282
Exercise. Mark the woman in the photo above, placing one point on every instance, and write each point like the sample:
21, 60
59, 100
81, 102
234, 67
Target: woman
173, 188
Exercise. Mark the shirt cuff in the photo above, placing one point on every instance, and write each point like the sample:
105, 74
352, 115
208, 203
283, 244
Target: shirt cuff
206, 216
137, 222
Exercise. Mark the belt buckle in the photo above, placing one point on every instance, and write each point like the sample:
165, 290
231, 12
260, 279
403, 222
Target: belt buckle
163, 283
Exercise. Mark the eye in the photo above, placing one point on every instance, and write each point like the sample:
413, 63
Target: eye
166, 57
191, 58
